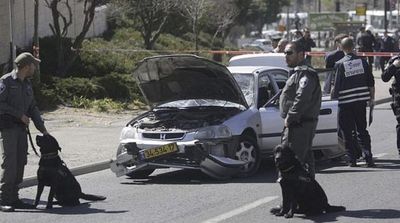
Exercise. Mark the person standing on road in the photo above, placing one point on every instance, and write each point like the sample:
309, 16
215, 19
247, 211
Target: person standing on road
300, 103
388, 44
17, 107
393, 70
366, 42
307, 43
330, 60
354, 86
280, 48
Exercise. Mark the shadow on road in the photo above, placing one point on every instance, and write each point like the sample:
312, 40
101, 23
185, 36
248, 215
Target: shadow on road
381, 165
265, 174
83, 208
361, 214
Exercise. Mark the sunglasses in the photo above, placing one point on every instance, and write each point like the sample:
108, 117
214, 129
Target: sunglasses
288, 53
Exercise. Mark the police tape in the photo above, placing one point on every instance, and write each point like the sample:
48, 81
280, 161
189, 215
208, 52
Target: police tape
228, 52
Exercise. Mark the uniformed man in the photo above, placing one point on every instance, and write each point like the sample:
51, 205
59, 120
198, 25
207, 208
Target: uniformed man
330, 60
300, 103
393, 70
354, 87
17, 107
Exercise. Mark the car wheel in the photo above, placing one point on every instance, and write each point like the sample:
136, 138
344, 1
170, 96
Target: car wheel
140, 174
247, 150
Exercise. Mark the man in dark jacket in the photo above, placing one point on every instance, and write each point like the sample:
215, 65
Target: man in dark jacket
393, 70
388, 44
300, 103
354, 87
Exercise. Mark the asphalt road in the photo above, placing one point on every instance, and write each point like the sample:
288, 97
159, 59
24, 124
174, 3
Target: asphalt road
170, 195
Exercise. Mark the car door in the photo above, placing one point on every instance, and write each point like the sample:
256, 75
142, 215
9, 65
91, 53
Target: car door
326, 134
272, 123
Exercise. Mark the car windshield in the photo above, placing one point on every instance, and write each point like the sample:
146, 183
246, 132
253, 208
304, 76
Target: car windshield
200, 103
246, 84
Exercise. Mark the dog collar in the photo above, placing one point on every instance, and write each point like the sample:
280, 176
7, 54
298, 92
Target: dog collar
50, 155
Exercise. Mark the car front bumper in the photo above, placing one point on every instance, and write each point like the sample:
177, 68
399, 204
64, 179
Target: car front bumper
190, 156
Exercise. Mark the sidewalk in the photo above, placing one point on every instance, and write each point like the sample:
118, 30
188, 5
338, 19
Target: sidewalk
89, 140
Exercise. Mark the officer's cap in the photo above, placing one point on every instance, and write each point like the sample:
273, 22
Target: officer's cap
26, 59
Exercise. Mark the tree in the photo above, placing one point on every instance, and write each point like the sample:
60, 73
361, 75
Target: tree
263, 12
223, 21
149, 16
60, 24
194, 10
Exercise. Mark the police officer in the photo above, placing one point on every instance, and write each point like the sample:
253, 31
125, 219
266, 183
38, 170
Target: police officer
393, 70
17, 107
330, 60
300, 103
354, 86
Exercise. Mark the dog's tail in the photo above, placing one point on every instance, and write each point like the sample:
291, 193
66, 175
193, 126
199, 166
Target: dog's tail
91, 197
332, 208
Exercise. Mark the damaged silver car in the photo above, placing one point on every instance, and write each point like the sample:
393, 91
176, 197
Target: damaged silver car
202, 117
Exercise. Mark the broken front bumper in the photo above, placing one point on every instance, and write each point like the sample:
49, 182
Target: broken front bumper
188, 157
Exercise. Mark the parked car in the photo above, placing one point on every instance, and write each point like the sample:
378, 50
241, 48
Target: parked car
262, 44
260, 59
205, 117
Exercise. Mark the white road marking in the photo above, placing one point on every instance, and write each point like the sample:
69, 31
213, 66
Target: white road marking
240, 210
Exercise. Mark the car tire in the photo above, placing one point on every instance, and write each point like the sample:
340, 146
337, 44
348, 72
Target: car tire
247, 150
140, 174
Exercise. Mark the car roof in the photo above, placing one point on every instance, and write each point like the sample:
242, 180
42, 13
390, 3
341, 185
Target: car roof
252, 69
260, 59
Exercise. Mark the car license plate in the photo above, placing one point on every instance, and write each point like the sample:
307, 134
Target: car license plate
160, 151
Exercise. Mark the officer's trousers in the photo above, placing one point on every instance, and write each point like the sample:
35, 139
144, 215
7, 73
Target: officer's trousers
299, 138
352, 118
396, 110
14, 146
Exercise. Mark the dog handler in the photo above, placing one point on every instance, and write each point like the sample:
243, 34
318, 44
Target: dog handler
17, 107
300, 103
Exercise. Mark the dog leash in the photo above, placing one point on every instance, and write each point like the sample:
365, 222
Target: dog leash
30, 139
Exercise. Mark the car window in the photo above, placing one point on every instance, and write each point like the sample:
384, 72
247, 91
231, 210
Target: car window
278, 81
265, 90
246, 84
326, 79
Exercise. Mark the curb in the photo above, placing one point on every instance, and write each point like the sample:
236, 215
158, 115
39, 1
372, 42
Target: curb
80, 170
99, 166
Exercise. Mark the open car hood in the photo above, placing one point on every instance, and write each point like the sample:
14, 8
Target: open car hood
182, 77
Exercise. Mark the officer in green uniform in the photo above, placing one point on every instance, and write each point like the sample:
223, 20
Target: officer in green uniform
300, 103
17, 107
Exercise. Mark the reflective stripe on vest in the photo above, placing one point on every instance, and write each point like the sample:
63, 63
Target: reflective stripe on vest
354, 94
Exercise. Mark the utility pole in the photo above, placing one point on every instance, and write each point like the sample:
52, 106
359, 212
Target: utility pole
385, 15
319, 34
11, 21
35, 47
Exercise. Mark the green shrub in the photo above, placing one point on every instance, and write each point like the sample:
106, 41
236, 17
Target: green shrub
116, 86
68, 88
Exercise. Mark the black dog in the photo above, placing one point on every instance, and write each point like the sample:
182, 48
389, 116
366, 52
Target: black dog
300, 193
54, 173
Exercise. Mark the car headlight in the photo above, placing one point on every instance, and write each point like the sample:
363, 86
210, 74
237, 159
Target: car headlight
128, 133
213, 132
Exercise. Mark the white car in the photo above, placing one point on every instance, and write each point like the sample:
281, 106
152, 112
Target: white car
205, 117
259, 59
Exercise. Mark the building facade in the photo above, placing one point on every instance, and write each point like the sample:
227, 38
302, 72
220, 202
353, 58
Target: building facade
17, 25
